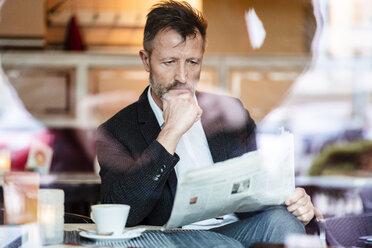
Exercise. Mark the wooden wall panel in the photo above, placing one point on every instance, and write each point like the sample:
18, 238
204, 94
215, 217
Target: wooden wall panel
285, 22
45, 92
20, 18
261, 90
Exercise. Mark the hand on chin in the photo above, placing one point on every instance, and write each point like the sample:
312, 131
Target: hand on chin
178, 92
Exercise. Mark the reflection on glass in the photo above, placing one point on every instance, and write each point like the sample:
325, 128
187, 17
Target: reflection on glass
59, 99
329, 102
328, 108
20, 197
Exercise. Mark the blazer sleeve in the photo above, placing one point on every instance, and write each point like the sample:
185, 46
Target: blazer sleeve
137, 181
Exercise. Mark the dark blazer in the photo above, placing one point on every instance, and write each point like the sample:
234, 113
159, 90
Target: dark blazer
138, 171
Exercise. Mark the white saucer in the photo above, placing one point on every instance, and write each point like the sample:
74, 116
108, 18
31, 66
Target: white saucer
129, 234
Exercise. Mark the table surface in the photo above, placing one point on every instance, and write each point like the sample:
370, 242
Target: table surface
206, 238
152, 237
75, 227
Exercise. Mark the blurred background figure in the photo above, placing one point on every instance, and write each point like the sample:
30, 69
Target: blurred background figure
329, 106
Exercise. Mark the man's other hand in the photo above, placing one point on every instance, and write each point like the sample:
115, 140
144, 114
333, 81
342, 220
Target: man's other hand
300, 205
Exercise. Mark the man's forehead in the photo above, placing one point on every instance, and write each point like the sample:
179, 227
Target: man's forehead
167, 40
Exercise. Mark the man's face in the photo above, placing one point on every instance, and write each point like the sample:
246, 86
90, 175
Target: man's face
175, 64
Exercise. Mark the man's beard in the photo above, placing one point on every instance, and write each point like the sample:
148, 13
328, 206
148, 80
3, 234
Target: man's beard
162, 91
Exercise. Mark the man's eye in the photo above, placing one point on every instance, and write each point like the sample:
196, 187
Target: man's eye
169, 62
193, 62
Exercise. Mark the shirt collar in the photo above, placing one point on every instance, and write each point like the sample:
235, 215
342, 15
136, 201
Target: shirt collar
155, 108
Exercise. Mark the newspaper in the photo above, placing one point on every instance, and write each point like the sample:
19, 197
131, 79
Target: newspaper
247, 183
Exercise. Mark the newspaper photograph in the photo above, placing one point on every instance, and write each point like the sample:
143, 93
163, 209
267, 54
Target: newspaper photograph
247, 183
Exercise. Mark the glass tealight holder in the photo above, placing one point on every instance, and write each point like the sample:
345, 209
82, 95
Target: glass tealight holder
51, 215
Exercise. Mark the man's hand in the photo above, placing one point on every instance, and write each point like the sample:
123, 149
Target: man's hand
180, 113
300, 205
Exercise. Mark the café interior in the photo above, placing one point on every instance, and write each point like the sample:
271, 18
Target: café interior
67, 66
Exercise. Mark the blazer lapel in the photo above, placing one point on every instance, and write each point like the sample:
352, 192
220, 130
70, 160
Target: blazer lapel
146, 118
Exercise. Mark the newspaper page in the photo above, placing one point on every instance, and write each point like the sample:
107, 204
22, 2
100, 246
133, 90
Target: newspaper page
247, 183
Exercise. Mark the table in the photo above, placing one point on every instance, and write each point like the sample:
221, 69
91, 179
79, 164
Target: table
152, 237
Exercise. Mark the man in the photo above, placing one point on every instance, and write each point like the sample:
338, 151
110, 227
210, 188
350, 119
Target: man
144, 148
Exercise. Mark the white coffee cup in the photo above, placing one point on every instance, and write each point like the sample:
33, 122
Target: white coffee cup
110, 217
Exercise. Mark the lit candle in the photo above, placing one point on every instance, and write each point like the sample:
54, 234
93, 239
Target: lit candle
50, 216
4, 160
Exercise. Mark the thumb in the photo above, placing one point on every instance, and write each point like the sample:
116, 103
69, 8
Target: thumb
199, 114
165, 104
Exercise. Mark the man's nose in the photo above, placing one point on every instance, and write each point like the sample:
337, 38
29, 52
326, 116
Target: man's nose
181, 73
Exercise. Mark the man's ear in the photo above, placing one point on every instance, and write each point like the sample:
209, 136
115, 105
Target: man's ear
145, 57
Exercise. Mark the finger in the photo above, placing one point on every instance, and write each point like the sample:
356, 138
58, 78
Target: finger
199, 113
300, 203
183, 95
165, 104
305, 218
166, 97
295, 196
303, 210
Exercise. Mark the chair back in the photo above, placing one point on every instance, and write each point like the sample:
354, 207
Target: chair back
1, 215
346, 230
366, 196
